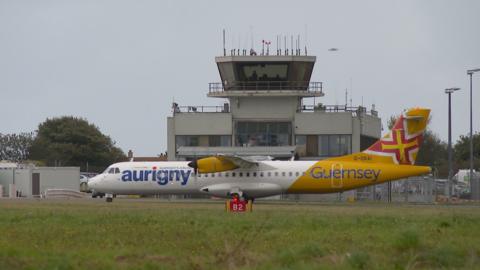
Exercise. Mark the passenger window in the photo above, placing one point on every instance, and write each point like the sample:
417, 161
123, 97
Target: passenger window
297, 174
240, 174
199, 175
276, 173
261, 174
226, 174
247, 174
219, 174
254, 174
304, 173
213, 175
283, 173
269, 174
290, 174
233, 174
206, 175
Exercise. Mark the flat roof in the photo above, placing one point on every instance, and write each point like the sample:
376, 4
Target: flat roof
266, 58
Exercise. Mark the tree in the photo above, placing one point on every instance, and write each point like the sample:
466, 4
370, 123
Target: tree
71, 141
15, 147
462, 151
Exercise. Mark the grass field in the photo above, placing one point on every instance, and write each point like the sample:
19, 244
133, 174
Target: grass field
150, 234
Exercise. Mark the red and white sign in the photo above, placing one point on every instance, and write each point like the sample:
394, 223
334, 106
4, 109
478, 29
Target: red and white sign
238, 206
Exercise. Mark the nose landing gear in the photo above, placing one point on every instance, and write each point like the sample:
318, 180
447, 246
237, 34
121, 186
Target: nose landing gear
109, 197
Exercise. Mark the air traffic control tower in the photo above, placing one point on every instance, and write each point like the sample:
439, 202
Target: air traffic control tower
266, 113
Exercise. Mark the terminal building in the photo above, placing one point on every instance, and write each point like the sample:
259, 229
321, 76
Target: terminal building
266, 114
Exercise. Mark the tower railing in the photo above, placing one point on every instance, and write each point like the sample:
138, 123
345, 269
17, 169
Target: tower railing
265, 85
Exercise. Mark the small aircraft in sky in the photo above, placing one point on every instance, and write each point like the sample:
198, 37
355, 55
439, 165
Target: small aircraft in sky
229, 176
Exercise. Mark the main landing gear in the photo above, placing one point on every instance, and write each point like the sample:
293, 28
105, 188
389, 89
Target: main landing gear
238, 204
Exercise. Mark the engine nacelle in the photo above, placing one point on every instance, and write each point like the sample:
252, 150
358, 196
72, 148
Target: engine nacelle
212, 165
251, 190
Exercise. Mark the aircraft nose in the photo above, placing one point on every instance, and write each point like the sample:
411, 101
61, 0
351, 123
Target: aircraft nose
92, 183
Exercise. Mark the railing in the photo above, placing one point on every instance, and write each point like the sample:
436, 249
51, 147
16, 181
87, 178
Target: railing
201, 109
265, 85
336, 108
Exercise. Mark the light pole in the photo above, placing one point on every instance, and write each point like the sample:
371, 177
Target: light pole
472, 185
449, 92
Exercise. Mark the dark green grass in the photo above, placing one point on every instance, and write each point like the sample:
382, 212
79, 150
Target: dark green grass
149, 234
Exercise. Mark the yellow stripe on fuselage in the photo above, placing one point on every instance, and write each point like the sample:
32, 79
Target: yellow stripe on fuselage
334, 176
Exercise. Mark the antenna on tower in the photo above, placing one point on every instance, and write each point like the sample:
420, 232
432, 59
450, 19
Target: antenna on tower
291, 43
346, 98
286, 49
251, 37
277, 44
305, 39
224, 50
298, 47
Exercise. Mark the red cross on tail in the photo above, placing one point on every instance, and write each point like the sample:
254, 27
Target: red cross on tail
401, 144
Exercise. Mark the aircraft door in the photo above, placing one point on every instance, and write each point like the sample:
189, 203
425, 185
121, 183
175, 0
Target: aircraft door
336, 175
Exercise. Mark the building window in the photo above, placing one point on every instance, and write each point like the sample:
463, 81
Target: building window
334, 145
219, 140
263, 133
203, 140
187, 140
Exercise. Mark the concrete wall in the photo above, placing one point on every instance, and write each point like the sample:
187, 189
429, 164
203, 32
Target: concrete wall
23, 182
202, 124
5, 179
264, 108
323, 123
371, 126
58, 177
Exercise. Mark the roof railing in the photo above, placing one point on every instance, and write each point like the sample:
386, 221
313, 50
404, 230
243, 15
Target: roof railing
337, 108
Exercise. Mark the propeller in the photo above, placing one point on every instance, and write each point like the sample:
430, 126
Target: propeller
193, 164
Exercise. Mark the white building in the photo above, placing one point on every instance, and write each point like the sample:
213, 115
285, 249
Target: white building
30, 181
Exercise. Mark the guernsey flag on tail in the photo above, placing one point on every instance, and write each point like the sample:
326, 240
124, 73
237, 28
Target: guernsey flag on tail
401, 144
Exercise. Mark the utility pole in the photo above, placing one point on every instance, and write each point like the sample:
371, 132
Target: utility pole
449, 185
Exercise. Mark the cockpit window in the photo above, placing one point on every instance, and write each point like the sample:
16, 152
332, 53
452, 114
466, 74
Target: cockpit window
111, 170
117, 170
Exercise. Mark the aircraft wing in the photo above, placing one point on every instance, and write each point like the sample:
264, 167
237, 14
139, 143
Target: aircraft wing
241, 162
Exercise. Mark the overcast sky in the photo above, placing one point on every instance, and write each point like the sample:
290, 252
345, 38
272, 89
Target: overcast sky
120, 64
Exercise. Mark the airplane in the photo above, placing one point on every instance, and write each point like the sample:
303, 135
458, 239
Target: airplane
390, 158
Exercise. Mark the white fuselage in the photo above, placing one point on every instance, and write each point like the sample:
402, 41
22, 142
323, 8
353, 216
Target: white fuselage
267, 179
